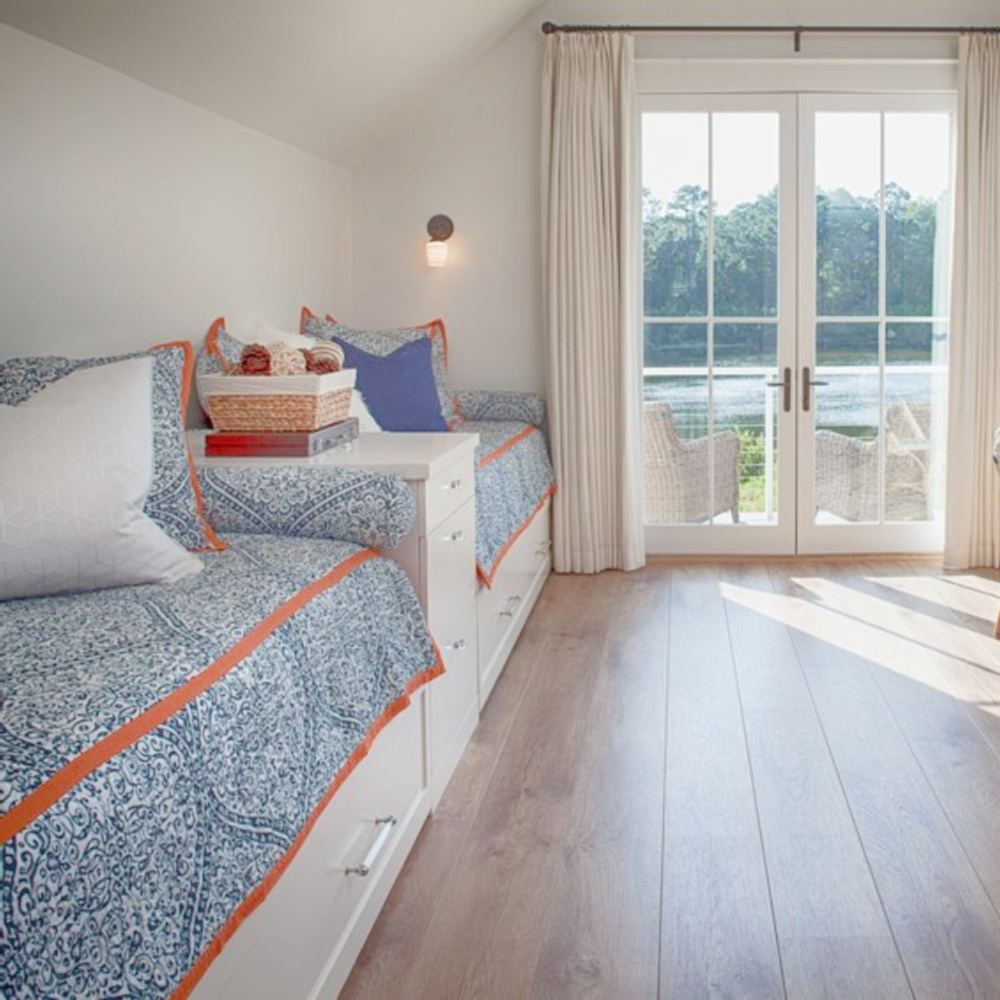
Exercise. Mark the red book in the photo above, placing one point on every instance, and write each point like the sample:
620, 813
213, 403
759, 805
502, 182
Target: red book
295, 444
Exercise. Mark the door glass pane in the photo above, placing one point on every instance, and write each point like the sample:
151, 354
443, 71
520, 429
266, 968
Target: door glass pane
845, 344
747, 403
745, 202
846, 487
881, 176
679, 452
710, 201
675, 183
848, 182
673, 345
917, 181
914, 421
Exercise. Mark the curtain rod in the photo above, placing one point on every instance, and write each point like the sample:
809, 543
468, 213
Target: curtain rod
797, 30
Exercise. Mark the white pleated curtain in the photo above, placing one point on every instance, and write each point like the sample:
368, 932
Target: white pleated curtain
590, 282
972, 524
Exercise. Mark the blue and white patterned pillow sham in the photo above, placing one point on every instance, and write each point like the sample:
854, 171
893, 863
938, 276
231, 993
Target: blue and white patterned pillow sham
173, 501
220, 351
501, 404
383, 342
309, 502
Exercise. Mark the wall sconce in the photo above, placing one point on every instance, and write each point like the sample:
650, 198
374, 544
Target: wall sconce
439, 228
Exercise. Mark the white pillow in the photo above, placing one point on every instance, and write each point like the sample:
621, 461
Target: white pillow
77, 465
367, 424
262, 332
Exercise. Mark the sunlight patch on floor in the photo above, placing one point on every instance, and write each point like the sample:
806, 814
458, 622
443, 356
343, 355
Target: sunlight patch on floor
946, 657
965, 594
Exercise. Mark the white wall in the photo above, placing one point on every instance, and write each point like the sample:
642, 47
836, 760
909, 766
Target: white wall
472, 151
128, 217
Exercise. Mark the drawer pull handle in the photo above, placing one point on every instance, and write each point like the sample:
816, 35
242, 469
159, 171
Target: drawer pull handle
455, 484
364, 869
458, 645
456, 536
512, 603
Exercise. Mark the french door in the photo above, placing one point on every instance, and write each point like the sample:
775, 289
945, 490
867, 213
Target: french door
795, 321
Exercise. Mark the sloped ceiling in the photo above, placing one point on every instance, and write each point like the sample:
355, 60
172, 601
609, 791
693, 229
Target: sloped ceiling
319, 74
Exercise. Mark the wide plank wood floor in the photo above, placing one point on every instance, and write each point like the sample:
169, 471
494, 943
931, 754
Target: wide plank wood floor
766, 779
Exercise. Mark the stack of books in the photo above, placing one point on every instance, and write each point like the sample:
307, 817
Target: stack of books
295, 444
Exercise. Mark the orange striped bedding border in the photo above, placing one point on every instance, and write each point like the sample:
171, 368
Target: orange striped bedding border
506, 446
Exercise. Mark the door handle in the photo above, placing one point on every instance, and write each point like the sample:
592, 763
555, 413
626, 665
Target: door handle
807, 386
786, 385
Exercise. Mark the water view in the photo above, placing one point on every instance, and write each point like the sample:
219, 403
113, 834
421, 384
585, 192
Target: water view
849, 403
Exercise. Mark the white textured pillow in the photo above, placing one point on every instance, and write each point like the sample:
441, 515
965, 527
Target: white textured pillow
367, 424
77, 465
262, 332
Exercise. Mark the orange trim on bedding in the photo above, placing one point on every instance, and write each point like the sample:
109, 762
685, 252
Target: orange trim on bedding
488, 578
212, 342
214, 542
506, 446
263, 889
34, 804
304, 314
435, 328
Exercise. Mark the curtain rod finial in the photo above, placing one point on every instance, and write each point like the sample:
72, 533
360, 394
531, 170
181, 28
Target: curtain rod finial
548, 28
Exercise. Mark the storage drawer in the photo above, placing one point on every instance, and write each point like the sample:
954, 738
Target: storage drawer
309, 918
450, 554
450, 557
445, 492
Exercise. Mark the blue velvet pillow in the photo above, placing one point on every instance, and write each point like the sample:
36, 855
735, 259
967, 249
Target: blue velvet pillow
398, 388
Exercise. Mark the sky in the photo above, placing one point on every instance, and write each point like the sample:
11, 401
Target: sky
675, 152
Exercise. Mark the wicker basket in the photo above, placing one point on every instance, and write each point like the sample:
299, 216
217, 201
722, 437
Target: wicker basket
277, 402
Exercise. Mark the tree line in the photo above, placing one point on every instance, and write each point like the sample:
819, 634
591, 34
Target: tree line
675, 272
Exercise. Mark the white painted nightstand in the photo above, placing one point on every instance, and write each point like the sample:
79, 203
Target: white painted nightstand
439, 555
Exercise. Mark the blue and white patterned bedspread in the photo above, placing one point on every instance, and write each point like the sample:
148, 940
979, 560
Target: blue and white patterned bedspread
514, 477
162, 750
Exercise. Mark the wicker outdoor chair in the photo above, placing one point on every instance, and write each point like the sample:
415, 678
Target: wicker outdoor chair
677, 480
847, 469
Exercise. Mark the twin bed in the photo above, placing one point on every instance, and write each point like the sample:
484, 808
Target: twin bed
169, 750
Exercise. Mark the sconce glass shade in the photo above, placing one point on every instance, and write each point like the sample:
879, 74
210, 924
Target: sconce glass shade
437, 253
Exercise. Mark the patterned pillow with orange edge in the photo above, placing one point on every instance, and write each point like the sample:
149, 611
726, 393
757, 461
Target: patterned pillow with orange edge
382, 343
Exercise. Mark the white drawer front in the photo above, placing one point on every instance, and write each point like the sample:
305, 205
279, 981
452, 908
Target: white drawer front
309, 915
446, 492
450, 553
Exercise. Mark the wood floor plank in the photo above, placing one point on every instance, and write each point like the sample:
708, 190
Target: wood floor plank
488, 929
720, 780
383, 968
936, 699
603, 935
717, 931
832, 931
943, 923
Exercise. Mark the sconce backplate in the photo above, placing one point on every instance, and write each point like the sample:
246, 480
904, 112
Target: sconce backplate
440, 227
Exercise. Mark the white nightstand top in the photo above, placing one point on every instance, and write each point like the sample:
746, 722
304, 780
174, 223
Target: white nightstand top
411, 455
